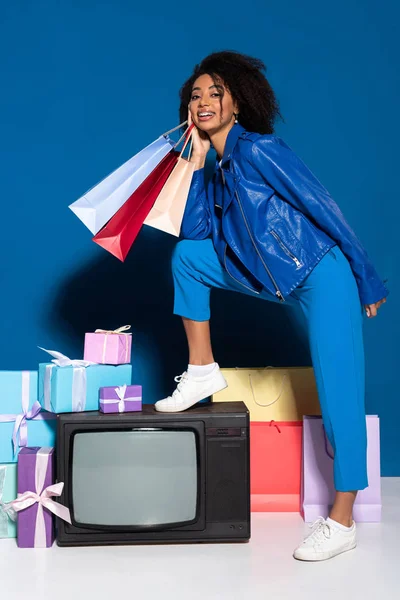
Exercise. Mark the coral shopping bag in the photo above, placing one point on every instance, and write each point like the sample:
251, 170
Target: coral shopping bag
167, 212
275, 466
121, 231
101, 202
318, 489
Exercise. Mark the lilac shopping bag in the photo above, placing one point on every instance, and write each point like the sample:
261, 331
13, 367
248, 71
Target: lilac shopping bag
318, 489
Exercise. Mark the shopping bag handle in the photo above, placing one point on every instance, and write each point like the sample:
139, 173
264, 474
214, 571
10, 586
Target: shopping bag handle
278, 396
188, 134
175, 129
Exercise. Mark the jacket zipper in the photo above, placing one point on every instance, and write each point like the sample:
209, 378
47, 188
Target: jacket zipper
286, 250
234, 278
278, 293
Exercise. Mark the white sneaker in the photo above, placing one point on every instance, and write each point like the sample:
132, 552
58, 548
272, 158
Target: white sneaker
191, 390
326, 541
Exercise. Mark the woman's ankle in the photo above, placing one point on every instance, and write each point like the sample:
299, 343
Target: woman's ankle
342, 519
201, 361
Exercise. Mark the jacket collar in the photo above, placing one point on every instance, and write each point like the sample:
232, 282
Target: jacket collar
231, 140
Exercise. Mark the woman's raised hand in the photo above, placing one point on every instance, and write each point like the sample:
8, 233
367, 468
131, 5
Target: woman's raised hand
201, 144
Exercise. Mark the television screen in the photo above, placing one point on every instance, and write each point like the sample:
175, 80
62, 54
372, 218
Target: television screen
134, 478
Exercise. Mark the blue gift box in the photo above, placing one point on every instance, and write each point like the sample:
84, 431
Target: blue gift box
19, 414
8, 492
76, 388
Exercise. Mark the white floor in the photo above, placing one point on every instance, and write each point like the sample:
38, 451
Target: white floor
262, 569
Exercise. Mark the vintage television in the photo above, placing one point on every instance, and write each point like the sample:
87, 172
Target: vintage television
150, 477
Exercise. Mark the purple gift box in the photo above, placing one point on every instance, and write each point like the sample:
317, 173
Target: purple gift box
318, 489
108, 347
35, 503
35, 470
125, 398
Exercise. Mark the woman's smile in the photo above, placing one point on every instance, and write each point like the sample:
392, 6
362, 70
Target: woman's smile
205, 115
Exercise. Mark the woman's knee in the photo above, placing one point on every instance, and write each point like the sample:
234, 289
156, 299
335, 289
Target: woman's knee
185, 253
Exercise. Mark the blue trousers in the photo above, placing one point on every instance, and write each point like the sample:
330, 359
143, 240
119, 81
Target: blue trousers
330, 303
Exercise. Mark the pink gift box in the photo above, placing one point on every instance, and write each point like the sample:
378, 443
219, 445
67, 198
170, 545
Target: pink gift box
108, 347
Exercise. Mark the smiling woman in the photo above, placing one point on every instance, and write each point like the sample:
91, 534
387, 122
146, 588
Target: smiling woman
242, 78
267, 227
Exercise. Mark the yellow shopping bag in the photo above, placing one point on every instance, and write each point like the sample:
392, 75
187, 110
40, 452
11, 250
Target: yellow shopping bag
272, 393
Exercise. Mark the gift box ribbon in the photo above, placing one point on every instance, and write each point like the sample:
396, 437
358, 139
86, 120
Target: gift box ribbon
78, 379
6, 511
43, 497
120, 391
20, 433
119, 331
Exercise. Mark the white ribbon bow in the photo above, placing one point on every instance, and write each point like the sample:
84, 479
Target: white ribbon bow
119, 330
63, 361
120, 391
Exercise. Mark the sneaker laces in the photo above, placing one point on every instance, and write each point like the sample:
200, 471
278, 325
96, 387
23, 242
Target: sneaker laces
322, 530
181, 380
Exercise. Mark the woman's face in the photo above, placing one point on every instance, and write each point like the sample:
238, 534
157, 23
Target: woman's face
212, 106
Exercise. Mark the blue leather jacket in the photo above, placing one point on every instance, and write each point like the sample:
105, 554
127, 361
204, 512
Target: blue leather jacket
270, 219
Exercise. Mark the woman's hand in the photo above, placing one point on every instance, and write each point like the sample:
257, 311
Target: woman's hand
372, 309
201, 144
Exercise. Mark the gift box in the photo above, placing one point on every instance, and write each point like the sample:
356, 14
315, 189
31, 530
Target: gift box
318, 490
275, 466
67, 385
8, 492
34, 503
22, 420
279, 394
108, 347
126, 398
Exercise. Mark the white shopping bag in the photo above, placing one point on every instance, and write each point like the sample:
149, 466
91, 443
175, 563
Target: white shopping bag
101, 202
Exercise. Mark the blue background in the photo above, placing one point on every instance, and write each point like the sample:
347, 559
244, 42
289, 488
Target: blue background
85, 85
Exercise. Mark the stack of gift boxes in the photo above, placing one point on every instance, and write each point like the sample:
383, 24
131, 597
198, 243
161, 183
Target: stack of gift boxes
291, 460
28, 407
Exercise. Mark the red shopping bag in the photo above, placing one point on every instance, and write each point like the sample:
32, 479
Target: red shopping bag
122, 229
275, 466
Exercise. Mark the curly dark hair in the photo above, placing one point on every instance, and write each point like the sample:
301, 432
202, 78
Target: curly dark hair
244, 77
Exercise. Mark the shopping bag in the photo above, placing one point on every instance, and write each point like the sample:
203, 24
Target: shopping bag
167, 213
272, 393
121, 231
96, 207
318, 490
275, 466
